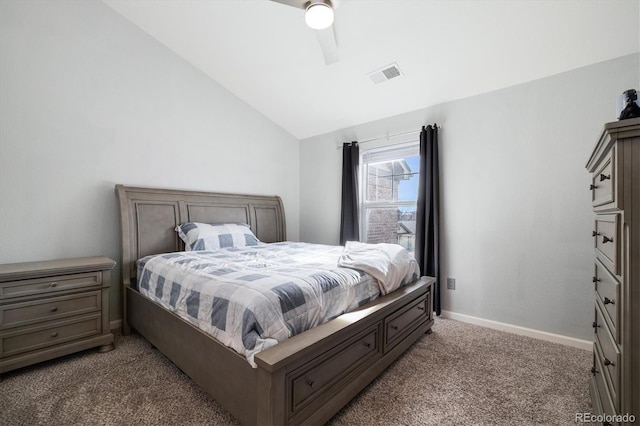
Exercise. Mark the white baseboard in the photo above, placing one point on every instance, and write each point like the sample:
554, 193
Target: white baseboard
523, 331
115, 325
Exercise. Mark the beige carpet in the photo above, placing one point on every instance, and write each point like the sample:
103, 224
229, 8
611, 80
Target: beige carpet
461, 374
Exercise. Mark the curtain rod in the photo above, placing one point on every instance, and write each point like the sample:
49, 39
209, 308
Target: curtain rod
388, 136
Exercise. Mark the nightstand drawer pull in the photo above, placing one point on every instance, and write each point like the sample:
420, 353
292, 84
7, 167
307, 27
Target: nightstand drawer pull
310, 383
609, 301
595, 325
53, 284
594, 371
395, 327
594, 233
54, 334
604, 177
607, 362
606, 239
592, 187
421, 308
54, 309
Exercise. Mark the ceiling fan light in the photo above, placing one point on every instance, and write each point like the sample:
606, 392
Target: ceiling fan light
319, 16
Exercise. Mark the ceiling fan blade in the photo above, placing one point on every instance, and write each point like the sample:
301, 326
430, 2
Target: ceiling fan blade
327, 40
300, 4
326, 37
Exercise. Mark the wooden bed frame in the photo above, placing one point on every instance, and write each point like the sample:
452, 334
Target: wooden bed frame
306, 379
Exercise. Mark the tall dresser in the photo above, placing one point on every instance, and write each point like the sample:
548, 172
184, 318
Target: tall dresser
615, 190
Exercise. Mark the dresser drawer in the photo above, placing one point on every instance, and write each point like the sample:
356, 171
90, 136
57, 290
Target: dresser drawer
606, 240
312, 379
606, 401
25, 339
49, 309
609, 356
608, 293
400, 323
48, 285
603, 181
600, 325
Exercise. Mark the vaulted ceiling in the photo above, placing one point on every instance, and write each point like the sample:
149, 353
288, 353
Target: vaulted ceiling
263, 52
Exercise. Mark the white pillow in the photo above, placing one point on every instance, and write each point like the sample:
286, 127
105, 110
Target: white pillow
204, 236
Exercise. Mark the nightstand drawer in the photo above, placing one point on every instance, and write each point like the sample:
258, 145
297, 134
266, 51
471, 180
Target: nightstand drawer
23, 340
43, 286
21, 314
606, 240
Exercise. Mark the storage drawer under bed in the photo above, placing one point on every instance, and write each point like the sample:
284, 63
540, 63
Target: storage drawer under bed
402, 322
312, 379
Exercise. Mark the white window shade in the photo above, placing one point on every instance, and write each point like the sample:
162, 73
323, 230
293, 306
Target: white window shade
390, 153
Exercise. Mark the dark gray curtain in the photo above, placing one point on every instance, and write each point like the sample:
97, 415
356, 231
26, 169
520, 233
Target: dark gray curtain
349, 228
428, 216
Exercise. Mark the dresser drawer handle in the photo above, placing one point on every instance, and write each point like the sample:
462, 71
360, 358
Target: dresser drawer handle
395, 327
367, 344
594, 233
606, 239
310, 383
594, 371
420, 307
595, 325
604, 177
53, 284
592, 187
609, 301
607, 362
54, 334
54, 309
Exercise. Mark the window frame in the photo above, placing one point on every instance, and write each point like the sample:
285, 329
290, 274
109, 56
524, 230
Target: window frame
410, 148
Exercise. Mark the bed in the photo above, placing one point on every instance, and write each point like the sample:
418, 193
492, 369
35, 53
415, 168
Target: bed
305, 379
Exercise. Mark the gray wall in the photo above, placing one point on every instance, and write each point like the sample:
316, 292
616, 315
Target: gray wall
88, 100
516, 214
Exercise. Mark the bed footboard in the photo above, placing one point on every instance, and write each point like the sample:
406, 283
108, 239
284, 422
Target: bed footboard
309, 378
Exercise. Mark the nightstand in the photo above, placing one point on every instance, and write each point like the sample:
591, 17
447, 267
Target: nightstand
53, 308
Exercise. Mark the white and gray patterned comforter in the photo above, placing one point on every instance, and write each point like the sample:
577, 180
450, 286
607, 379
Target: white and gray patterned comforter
251, 298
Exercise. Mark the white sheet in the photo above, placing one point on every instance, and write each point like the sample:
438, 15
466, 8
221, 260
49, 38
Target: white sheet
390, 264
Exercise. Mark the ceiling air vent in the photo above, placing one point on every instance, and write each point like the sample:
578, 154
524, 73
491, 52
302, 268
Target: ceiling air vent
385, 73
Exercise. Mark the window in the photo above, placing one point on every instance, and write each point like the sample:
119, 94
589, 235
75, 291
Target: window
389, 194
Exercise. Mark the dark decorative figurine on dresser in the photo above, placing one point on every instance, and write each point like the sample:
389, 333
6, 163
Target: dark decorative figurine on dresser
53, 308
631, 109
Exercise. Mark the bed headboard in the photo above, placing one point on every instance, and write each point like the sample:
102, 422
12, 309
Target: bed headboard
148, 217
